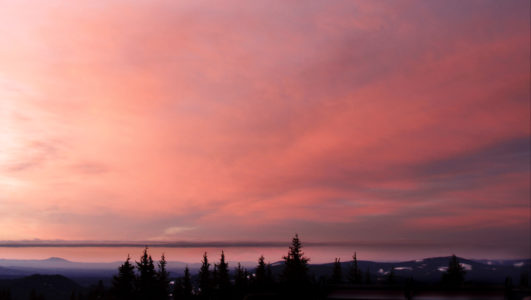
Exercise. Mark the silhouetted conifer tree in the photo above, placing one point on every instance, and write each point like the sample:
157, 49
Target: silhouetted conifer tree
204, 278
146, 283
240, 280
354, 275
295, 264
163, 281
183, 286
187, 284
123, 284
337, 275
260, 274
455, 275
223, 278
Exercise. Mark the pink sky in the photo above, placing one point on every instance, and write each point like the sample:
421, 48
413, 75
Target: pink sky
241, 121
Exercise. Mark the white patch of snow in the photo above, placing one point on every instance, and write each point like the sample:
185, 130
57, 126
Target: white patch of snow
403, 268
442, 269
519, 264
419, 260
466, 266
381, 271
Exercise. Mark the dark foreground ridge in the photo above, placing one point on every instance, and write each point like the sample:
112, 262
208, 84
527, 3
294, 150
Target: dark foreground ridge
292, 278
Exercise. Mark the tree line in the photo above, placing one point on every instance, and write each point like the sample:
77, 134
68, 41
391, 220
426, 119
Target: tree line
146, 279
215, 281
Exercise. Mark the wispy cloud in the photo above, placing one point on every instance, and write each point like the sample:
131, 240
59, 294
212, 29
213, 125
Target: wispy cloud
345, 120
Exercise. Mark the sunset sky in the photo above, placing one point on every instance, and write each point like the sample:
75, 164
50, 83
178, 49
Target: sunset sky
384, 122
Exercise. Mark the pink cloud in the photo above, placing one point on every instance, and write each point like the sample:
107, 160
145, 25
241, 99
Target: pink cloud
161, 114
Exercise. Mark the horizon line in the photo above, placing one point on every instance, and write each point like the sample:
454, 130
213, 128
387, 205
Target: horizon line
196, 244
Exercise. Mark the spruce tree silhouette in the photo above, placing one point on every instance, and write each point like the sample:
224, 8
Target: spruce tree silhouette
455, 275
183, 286
187, 284
163, 281
337, 275
240, 281
223, 278
123, 284
295, 279
295, 264
260, 274
146, 283
354, 275
204, 278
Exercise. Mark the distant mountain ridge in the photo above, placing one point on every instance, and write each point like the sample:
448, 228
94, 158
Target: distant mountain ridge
57, 259
431, 269
427, 269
